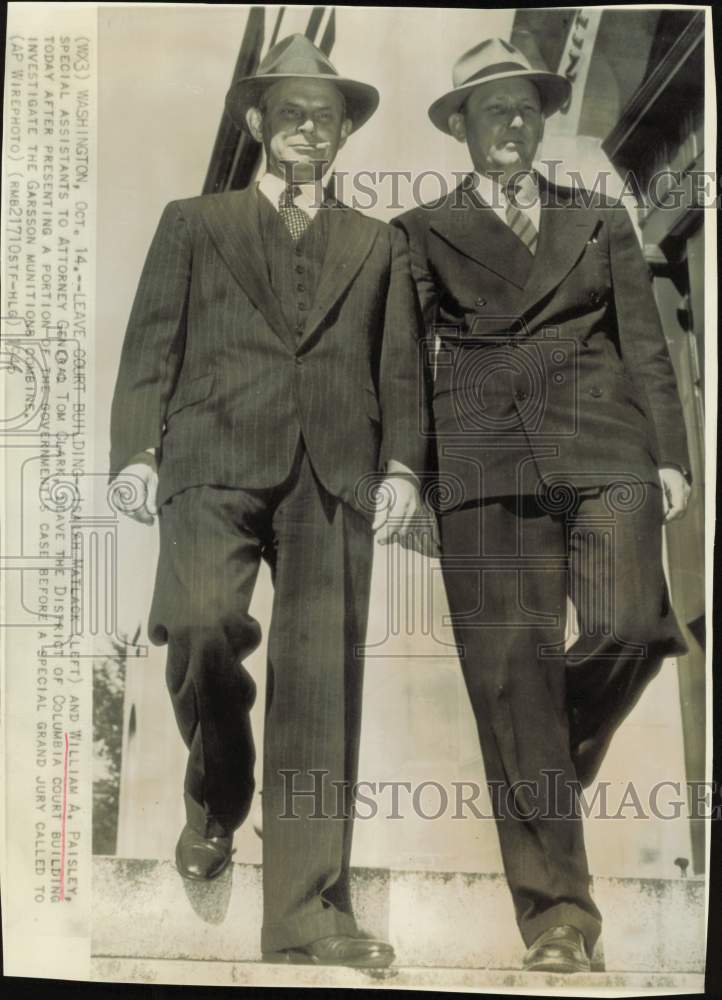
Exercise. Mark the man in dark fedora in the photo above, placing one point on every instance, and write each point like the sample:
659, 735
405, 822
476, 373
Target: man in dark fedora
560, 435
269, 369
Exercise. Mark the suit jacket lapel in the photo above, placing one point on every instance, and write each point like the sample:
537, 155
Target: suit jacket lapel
233, 224
564, 230
350, 239
474, 229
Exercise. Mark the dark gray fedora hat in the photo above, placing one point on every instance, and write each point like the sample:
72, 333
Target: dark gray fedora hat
491, 60
295, 57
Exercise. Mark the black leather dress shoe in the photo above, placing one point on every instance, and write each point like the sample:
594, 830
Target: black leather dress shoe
560, 949
202, 858
339, 949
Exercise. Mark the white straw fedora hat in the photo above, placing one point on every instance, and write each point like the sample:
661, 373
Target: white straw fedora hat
295, 57
495, 59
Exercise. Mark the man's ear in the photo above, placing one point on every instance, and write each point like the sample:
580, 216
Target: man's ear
346, 129
254, 120
457, 126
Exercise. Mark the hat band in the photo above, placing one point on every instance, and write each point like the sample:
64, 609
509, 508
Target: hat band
291, 69
495, 70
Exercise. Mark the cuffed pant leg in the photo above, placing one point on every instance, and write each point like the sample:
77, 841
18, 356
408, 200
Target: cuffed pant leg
321, 565
208, 564
505, 572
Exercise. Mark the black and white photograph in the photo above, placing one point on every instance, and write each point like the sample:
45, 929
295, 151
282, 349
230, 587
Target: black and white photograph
358, 438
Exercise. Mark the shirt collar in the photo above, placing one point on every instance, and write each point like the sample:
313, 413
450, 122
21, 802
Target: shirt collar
493, 193
273, 187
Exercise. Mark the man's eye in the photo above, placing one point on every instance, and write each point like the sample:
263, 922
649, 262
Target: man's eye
323, 116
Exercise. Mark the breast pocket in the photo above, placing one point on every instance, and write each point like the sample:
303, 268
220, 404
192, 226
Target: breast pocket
596, 253
189, 393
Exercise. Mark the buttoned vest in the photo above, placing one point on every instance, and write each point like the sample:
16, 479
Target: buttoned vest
294, 269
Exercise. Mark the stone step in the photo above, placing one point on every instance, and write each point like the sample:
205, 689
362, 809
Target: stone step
142, 909
177, 972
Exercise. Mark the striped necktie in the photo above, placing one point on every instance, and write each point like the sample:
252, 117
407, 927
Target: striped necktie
295, 219
519, 222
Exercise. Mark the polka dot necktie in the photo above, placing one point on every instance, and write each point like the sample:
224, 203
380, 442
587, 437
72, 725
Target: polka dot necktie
519, 222
295, 219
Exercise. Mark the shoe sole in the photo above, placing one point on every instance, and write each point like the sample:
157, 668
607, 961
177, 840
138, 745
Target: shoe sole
563, 968
292, 957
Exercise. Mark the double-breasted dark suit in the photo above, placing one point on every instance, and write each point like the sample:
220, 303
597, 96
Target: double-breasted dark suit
273, 378
554, 405
573, 378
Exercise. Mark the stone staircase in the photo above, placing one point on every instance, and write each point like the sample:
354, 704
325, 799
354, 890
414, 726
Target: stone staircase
182, 973
450, 931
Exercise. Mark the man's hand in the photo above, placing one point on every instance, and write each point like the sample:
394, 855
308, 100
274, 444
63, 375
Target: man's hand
143, 508
676, 491
424, 535
398, 509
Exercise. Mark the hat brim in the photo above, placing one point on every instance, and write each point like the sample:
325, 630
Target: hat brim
554, 91
361, 98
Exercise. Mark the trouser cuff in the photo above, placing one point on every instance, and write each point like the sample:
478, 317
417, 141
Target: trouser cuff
563, 913
295, 932
203, 823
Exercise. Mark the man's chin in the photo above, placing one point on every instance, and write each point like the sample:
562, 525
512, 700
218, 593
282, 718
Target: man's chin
306, 169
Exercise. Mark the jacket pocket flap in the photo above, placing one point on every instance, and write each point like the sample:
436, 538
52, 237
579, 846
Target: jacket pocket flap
193, 391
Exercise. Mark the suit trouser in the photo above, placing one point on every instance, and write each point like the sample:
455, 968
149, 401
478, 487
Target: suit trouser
320, 552
508, 565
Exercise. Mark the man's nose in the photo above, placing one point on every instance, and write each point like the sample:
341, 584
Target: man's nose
517, 121
307, 126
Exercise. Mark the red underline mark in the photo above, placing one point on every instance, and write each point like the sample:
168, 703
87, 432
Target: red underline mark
64, 820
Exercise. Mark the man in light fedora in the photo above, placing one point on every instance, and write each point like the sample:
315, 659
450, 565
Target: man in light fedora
268, 370
560, 434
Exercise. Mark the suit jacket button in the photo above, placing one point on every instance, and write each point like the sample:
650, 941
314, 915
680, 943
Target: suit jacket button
480, 301
595, 391
299, 362
594, 297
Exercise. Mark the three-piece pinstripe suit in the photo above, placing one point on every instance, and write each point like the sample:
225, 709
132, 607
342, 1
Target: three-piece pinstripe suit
273, 378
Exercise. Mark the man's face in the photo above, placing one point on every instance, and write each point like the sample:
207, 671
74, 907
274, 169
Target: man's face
301, 123
502, 124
